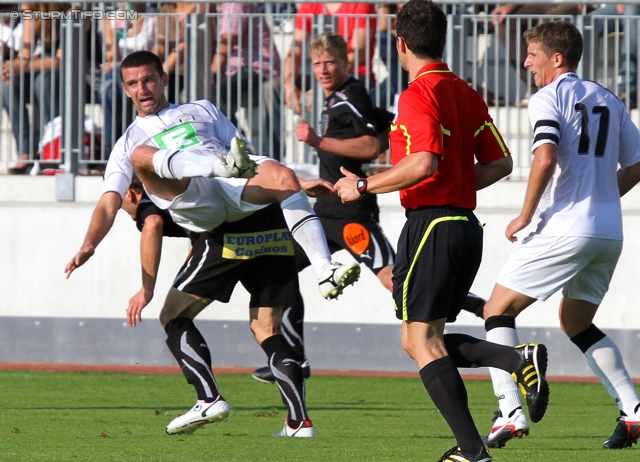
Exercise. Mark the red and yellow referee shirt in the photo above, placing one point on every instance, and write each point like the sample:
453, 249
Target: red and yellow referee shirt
440, 113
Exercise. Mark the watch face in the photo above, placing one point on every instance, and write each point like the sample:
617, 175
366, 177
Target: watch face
361, 185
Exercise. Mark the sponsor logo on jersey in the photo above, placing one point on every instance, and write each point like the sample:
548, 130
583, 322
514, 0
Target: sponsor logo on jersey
341, 95
187, 118
356, 237
181, 137
244, 246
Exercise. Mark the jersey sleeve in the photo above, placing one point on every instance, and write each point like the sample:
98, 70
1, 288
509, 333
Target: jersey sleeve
545, 118
490, 145
119, 170
419, 126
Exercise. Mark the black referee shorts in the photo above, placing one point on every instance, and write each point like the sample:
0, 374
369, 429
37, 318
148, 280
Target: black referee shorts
361, 236
256, 251
439, 253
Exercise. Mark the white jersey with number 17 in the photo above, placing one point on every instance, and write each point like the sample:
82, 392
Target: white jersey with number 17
594, 134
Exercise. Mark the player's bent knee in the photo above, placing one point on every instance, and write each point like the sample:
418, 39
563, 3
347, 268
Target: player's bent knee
279, 177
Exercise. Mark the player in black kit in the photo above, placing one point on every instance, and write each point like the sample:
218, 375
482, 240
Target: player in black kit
348, 139
211, 272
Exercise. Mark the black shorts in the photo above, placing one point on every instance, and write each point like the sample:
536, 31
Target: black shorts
439, 253
256, 251
362, 237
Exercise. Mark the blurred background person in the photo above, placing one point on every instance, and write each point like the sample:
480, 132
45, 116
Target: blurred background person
31, 78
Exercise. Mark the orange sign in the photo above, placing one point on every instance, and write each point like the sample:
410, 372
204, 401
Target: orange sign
356, 237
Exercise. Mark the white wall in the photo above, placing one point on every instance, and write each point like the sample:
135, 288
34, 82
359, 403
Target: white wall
39, 236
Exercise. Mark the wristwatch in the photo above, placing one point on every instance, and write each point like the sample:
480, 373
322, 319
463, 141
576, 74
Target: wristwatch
361, 185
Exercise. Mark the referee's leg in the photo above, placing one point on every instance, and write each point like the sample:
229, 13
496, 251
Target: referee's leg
423, 342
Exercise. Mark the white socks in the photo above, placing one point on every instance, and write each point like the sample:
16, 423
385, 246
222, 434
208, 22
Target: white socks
605, 360
307, 230
190, 163
504, 387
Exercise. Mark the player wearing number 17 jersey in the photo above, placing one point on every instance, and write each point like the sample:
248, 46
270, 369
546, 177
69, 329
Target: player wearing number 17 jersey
586, 155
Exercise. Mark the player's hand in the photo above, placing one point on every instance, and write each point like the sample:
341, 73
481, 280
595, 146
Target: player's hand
305, 133
77, 261
137, 303
347, 187
517, 224
316, 187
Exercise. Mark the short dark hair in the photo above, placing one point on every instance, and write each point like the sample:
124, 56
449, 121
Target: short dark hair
142, 58
558, 37
136, 184
423, 26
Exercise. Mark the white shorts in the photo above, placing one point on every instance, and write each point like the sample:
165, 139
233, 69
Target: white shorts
581, 266
208, 202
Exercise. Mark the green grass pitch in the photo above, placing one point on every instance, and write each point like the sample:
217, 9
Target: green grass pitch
87, 416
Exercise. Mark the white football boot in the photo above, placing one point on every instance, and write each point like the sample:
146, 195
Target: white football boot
200, 414
336, 277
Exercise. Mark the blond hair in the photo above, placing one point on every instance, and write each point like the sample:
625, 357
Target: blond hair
331, 43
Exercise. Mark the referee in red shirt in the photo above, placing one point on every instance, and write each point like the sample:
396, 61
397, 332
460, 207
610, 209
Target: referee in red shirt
442, 127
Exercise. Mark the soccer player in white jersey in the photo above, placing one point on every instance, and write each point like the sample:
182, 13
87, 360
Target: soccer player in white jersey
586, 156
176, 150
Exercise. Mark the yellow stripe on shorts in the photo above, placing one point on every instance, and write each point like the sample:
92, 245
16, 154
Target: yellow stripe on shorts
407, 280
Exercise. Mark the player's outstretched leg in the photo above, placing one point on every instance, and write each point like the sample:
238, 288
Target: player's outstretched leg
277, 183
192, 354
204, 161
288, 375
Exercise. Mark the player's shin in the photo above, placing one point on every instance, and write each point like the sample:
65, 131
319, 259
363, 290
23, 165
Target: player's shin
190, 163
192, 354
288, 375
502, 330
307, 230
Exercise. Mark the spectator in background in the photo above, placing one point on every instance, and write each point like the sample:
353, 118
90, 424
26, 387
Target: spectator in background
352, 22
10, 32
30, 77
628, 73
245, 70
392, 85
121, 37
171, 46
512, 33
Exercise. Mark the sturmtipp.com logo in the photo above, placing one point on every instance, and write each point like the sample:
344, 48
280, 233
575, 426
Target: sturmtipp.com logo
75, 14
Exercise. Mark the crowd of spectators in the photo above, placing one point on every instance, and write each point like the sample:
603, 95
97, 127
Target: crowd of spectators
246, 70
